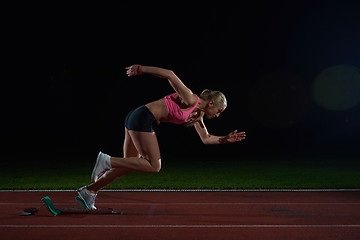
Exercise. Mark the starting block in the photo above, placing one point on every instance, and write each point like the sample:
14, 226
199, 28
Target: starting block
56, 211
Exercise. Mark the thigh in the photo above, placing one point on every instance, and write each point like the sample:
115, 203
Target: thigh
129, 147
147, 145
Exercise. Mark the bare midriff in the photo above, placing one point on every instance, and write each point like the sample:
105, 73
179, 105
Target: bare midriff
159, 110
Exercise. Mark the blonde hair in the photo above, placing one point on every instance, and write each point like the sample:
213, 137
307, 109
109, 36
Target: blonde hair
217, 97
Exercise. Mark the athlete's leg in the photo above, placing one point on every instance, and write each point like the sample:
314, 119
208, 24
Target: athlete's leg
115, 173
147, 145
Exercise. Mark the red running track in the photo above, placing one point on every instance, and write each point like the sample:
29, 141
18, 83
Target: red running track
188, 215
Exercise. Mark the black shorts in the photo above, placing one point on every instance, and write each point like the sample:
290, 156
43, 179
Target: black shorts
141, 119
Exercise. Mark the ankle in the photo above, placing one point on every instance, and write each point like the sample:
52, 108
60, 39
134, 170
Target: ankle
111, 158
91, 190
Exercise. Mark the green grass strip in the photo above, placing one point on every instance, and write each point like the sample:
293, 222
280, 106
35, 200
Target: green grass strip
187, 173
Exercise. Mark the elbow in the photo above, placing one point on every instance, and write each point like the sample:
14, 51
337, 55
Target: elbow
170, 74
205, 140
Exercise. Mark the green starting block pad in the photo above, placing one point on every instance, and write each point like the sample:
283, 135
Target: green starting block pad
50, 206
56, 211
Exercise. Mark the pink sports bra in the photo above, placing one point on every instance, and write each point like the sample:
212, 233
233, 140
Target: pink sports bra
176, 115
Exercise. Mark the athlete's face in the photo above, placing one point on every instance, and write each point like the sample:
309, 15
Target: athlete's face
213, 111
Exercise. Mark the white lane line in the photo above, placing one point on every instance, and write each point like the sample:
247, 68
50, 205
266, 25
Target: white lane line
225, 204
191, 204
180, 226
193, 190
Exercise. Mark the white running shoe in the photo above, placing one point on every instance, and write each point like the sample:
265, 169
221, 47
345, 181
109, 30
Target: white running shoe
86, 198
102, 165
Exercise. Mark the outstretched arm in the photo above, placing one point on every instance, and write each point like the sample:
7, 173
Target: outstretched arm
211, 139
186, 94
138, 69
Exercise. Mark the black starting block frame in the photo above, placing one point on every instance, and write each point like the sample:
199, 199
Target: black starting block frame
48, 203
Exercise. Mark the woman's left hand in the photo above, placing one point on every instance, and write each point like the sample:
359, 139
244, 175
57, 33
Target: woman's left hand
235, 137
133, 70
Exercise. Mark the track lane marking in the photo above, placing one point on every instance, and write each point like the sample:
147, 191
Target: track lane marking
180, 226
196, 190
190, 204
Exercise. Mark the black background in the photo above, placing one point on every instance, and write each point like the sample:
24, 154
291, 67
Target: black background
66, 91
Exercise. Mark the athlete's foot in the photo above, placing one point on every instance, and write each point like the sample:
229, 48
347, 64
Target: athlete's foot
102, 165
86, 198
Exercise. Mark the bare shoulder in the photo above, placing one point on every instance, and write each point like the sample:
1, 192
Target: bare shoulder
189, 100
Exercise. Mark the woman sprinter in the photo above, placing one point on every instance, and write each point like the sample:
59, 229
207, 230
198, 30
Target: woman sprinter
141, 149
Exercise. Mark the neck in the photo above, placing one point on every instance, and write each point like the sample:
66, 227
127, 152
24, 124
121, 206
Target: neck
201, 105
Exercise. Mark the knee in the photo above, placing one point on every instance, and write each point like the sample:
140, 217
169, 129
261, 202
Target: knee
156, 166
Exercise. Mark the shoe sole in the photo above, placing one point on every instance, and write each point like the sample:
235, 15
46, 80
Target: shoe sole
95, 168
82, 201
79, 199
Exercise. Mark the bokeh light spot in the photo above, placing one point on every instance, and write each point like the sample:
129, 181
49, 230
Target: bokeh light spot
337, 87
